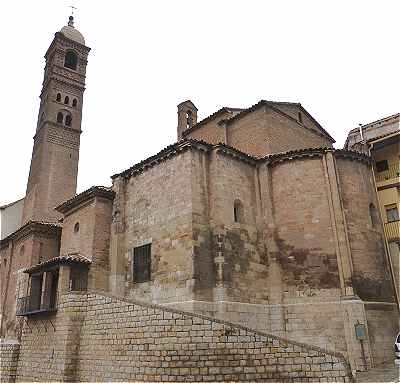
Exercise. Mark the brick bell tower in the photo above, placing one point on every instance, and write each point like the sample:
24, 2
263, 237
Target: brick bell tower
54, 164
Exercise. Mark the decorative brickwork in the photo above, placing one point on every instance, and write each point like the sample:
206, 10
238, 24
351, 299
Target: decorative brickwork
9, 352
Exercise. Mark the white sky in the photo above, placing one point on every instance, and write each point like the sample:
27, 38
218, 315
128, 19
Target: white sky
340, 59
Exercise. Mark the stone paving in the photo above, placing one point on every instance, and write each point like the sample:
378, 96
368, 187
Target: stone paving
387, 373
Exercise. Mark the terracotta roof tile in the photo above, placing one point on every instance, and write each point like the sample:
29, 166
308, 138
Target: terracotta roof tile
60, 260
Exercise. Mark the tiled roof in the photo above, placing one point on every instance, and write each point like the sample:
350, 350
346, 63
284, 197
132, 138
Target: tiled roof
275, 105
11, 203
384, 135
94, 191
380, 121
30, 227
61, 260
211, 117
167, 152
314, 152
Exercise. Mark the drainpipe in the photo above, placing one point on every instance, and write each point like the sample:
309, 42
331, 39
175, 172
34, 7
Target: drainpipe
387, 250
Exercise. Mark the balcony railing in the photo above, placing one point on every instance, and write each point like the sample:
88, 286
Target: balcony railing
392, 230
392, 172
32, 305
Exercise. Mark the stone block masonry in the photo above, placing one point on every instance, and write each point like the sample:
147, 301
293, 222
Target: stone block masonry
8, 361
104, 338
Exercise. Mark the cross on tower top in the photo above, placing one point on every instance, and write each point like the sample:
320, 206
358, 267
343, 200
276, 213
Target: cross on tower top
72, 9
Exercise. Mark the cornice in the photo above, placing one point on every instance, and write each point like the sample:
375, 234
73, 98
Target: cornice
274, 159
79, 199
57, 126
32, 227
163, 155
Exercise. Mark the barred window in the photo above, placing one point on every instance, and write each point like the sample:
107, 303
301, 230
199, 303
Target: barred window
142, 263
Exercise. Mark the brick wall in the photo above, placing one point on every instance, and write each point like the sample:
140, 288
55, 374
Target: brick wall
9, 352
102, 338
92, 240
266, 131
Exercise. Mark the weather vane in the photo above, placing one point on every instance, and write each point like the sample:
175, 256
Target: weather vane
72, 9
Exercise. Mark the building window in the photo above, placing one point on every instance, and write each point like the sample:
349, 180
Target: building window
381, 166
74, 102
68, 120
66, 100
58, 98
71, 60
76, 227
392, 213
373, 215
60, 117
22, 251
238, 211
189, 119
142, 263
300, 117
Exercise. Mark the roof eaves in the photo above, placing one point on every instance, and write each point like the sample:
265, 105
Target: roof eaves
94, 191
161, 156
29, 227
209, 118
11, 203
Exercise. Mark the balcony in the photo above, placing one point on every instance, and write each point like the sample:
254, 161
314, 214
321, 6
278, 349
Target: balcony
392, 172
31, 305
392, 230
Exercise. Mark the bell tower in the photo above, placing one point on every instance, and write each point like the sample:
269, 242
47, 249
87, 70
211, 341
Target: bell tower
54, 164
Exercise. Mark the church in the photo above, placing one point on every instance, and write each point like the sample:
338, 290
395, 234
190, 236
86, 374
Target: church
251, 219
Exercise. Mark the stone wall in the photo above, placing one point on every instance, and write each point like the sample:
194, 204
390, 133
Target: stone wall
104, 338
383, 326
371, 278
157, 210
9, 352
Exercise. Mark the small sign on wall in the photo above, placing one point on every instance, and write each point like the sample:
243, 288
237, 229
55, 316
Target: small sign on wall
361, 332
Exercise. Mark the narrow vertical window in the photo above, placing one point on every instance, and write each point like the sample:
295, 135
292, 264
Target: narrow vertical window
300, 117
60, 117
66, 100
74, 102
142, 263
237, 211
68, 120
58, 98
373, 215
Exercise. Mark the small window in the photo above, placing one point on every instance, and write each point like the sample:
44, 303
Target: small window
373, 215
300, 117
58, 98
71, 60
189, 119
68, 120
60, 117
392, 213
74, 102
22, 251
76, 227
238, 211
142, 263
381, 166
66, 100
